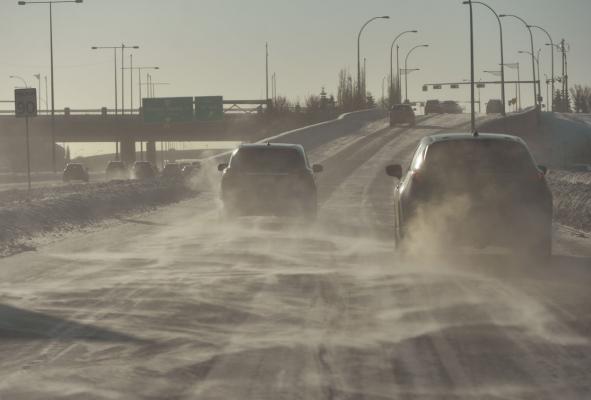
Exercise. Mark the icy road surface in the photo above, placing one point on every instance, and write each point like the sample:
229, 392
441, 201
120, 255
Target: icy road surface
182, 305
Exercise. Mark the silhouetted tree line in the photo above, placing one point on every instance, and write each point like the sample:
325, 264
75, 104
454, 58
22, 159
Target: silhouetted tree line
581, 98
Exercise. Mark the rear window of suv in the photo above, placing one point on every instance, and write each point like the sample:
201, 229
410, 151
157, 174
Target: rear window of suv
268, 159
478, 155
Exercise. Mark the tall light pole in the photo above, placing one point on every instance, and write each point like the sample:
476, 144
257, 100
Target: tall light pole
359, 51
472, 110
552, 55
51, 3
114, 48
537, 59
123, 47
502, 52
38, 76
139, 70
533, 62
397, 61
406, 69
19, 78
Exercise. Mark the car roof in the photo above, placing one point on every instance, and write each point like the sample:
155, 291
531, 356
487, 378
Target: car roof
271, 145
446, 137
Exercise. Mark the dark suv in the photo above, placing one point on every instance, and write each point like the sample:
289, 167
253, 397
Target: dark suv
433, 107
269, 179
75, 172
494, 107
451, 107
143, 170
478, 189
402, 114
116, 170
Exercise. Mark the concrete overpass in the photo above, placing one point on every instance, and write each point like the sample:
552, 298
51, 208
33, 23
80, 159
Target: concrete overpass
129, 129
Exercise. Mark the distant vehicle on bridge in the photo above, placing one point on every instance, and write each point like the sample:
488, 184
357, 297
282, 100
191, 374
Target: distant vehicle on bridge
75, 172
494, 106
116, 170
402, 114
451, 107
433, 107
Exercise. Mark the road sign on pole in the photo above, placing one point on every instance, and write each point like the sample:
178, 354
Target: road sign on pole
25, 106
209, 108
25, 102
168, 110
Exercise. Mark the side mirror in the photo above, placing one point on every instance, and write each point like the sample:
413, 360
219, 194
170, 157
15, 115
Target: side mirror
222, 167
543, 168
394, 171
317, 168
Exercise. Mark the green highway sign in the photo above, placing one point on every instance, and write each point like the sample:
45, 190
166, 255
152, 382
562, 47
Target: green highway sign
209, 108
168, 110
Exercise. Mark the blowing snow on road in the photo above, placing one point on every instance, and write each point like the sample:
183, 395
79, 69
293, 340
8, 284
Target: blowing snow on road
181, 303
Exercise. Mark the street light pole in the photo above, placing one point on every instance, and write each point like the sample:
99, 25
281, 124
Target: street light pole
359, 51
38, 76
406, 69
472, 111
552, 55
397, 63
21, 79
537, 60
50, 3
502, 52
533, 63
115, 48
139, 70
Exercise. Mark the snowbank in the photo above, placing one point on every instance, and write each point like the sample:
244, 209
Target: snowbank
75, 206
572, 198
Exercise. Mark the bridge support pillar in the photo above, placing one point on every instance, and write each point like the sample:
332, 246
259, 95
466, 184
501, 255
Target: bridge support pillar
128, 151
151, 152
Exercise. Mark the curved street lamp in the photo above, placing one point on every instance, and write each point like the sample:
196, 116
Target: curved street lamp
50, 3
502, 55
359, 49
21, 79
552, 55
538, 66
406, 69
397, 63
533, 62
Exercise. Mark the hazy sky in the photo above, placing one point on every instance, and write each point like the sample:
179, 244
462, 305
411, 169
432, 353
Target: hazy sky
217, 47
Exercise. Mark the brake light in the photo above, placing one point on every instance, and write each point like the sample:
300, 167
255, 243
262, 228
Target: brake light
416, 176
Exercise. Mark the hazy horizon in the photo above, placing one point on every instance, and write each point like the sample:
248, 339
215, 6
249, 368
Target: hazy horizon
219, 48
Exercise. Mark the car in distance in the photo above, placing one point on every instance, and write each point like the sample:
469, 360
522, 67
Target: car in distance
485, 189
116, 170
269, 179
451, 107
494, 106
433, 107
171, 171
143, 170
75, 172
402, 114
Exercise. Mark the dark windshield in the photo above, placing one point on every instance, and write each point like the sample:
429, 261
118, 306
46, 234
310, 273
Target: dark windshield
271, 159
473, 156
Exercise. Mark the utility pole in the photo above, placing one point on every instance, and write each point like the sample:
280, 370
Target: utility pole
131, 83
472, 114
267, 72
